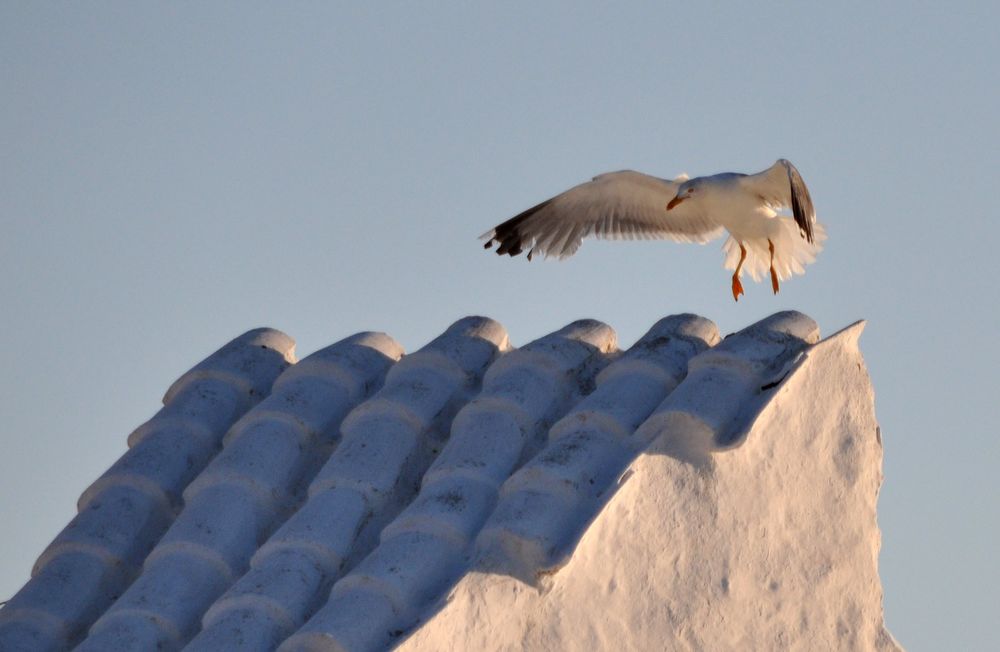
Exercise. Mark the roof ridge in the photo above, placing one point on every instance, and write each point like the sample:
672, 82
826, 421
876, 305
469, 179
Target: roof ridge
687, 425
340, 507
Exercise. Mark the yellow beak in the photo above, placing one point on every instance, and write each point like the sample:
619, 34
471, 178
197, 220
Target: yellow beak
675, 201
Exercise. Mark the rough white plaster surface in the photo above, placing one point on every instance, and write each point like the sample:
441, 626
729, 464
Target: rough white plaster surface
688, 493
548, 501
769, 545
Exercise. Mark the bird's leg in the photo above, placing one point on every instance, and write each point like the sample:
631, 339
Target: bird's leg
737, 286
774, 274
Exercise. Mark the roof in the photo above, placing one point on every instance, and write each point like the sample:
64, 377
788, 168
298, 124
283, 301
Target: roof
331, 503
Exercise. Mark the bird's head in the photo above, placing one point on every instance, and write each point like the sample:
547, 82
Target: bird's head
686, 190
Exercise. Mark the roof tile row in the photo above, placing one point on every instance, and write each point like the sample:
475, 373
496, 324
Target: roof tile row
344, 503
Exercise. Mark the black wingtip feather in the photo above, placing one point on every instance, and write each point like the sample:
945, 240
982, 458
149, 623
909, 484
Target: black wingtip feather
802, 206
508, 234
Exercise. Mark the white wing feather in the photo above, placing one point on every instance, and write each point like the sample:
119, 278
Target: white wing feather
616, 205
781, 186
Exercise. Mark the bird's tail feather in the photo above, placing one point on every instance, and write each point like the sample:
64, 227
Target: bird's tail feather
792, 252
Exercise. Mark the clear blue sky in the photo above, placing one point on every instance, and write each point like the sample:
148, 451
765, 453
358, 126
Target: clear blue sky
175, 174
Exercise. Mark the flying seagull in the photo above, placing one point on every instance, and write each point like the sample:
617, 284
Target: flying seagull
631, 205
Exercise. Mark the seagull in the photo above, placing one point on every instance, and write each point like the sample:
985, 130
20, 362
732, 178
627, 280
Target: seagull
632, 205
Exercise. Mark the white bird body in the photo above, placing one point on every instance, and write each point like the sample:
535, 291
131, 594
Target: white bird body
629, 204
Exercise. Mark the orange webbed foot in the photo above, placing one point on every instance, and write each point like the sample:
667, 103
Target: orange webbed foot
737, 288
774, 275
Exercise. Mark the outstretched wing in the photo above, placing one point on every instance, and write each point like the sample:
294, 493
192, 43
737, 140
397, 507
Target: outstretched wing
616, 205
781, 185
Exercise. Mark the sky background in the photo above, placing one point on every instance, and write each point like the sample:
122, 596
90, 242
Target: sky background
176, 174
